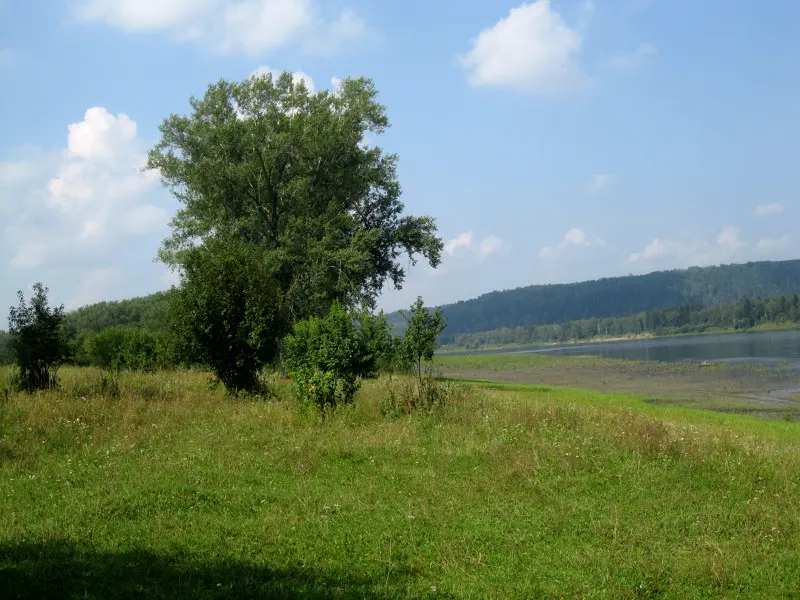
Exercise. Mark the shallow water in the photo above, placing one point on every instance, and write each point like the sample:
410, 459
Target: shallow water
768, 348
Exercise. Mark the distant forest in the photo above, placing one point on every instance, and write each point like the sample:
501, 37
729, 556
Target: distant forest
743, 315
618, 296
690, 300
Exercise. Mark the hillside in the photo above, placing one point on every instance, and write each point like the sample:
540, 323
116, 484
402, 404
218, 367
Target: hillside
536, 304
618, 296
782, 312
145, 311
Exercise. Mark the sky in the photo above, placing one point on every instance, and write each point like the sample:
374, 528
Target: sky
553, 140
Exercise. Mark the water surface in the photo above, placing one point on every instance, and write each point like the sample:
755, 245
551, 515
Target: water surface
769, 348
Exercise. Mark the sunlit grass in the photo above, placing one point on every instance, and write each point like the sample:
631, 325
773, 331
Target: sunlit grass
175, 490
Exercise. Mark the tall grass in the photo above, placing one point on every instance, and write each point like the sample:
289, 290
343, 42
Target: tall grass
171, 489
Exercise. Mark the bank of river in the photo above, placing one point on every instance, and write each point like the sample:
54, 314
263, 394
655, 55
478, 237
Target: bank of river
766, 348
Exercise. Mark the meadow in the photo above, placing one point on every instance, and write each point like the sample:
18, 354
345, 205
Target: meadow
156, 486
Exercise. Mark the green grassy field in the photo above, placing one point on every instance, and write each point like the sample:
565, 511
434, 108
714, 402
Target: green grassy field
174, 491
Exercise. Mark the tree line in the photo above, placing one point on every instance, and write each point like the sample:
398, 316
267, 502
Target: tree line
618, 296
743, 315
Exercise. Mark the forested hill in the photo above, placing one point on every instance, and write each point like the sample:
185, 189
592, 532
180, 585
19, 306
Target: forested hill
537, 304
148, 312
618, 296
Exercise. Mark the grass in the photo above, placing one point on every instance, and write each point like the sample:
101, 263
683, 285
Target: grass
762, 391
172, 490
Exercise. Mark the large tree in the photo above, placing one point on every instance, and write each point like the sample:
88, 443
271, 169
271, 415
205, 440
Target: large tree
287, 173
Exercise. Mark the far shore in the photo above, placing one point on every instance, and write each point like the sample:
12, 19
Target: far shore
445, 350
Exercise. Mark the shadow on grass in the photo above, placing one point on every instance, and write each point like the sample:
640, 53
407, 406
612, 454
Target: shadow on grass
59, 569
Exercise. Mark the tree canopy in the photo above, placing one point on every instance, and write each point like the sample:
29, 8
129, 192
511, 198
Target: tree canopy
37, 340
270, 163
284, 177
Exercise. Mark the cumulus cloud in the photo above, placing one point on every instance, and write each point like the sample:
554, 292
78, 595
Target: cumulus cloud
14, 172
672, 253
630, 61
486, 247
766, 210
490, 245
87, 204
531, 50
600, 182
462, 240
573, 238
250, 27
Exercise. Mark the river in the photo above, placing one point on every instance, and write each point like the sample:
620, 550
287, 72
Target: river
768, 348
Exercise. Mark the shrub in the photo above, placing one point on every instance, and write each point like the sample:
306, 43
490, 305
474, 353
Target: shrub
327, 357
125, 348
6, 353
37, 340
405, 395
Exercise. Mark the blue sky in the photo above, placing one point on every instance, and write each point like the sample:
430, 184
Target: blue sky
553, 141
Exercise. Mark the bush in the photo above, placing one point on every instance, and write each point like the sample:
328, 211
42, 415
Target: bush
328, 357
125, 348
406, 394
6, 353
37, 340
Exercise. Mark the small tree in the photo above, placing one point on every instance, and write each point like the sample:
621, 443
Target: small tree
38, 344
421, 337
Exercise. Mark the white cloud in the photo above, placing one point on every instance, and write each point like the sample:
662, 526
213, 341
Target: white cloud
13, 172
145, 15
630, 61
531, 50
573, 238
656, 249
297, 76
726, 247
729, 240
102, 163
600, 182
766, 210
483, 249
463, 240
348, 27
336, 84
251, 27
490, 245
96, 198
255, 27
